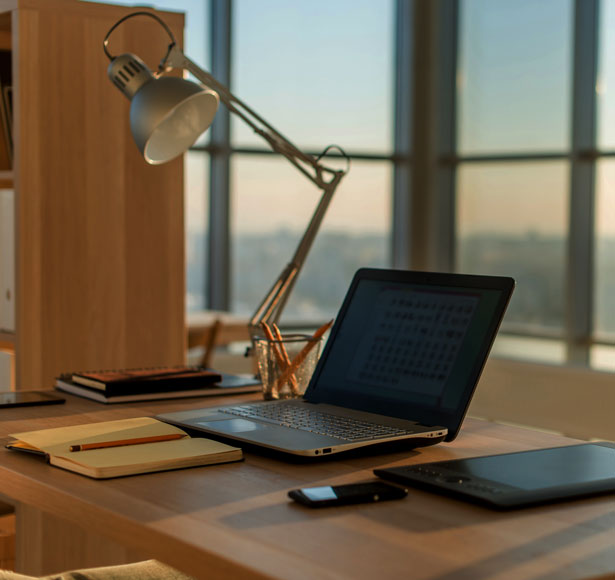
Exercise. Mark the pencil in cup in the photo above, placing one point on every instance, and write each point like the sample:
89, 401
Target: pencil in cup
305, 352
276, 344
275, 362
294, 385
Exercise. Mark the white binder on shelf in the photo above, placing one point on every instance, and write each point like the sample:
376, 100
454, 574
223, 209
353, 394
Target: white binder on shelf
7, 370
7, 260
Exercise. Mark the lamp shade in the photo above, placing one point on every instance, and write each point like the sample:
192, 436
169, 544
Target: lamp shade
168, 114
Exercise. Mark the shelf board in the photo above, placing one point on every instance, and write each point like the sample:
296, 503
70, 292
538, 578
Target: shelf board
7, 179
7, 340
5, 30
5, 39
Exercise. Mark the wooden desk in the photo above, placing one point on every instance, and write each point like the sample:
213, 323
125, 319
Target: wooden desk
235, 521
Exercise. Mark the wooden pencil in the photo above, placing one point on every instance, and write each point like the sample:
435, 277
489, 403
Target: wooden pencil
123, 442
294, 385
281, 356
304, 352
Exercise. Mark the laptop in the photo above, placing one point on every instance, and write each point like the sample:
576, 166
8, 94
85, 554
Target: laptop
401, 364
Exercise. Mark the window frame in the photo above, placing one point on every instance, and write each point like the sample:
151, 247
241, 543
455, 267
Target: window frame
437, 33
425, 160
221, 150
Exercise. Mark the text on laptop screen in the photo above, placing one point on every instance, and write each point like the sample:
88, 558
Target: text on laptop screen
404, 346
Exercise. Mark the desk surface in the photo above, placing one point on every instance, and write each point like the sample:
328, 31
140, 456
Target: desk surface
235, 520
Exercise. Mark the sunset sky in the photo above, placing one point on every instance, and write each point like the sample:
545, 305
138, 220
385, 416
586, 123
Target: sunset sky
321, 72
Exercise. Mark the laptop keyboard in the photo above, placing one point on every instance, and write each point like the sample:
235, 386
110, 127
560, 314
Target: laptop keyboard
306, 419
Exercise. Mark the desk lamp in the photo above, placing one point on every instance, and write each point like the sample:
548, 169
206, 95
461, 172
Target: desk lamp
169, 113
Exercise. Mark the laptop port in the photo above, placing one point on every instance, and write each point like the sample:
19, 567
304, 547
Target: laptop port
327, 450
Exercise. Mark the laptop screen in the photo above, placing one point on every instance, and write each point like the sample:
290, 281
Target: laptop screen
411, 344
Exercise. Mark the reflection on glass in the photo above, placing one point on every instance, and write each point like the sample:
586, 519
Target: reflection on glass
514, 75
530, 349
604, 313
602, 358
196, 215
512, 221
606, 76
320, 72
271, 205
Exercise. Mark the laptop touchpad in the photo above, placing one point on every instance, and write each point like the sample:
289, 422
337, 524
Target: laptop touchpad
235, 426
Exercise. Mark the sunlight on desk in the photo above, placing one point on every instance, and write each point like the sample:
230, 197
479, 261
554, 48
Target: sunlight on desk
235, 520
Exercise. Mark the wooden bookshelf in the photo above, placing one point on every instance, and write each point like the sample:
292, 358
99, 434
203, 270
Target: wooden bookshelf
99, 233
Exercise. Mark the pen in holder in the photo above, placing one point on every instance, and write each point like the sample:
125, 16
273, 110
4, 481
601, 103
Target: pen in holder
286, 362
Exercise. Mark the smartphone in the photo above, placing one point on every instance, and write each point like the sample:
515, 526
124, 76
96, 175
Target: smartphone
28, 398
369, 492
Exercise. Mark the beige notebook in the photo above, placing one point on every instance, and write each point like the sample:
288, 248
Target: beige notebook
126, 459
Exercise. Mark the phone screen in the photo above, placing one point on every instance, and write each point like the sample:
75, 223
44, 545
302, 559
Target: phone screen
347, 494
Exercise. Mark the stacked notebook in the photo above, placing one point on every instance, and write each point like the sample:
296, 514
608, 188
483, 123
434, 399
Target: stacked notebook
124, 447
123, 386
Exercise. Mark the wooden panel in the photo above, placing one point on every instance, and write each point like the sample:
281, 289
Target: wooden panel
7, 542
47, 544
100, 268
5, 31
575, 401
6, 179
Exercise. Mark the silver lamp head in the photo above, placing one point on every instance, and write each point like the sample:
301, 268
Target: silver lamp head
167, 114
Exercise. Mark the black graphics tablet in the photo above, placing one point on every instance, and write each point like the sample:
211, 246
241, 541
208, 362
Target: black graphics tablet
519, 479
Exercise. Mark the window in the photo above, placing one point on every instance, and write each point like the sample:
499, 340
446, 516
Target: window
512, 121
603, 350
513, 178
514, 73
303, 66
272, 206
606, 77
527, 184
196, 219
512, 219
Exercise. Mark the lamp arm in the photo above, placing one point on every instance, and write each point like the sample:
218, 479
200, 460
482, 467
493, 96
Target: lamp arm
175, 58
270, 308
325, 178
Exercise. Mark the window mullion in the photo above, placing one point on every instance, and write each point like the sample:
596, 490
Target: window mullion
446, 116
401, 239
579, 305
219, 277
432, 213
